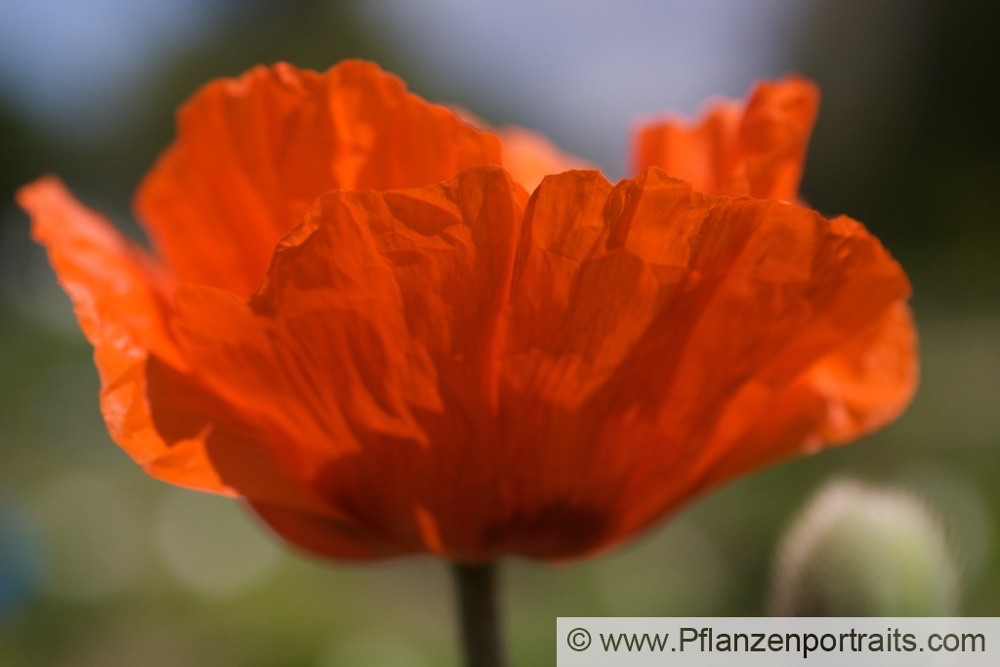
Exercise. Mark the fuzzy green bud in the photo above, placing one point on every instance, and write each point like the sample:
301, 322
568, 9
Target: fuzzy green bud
862, 551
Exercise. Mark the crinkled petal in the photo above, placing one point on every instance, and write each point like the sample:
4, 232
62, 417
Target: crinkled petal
119, 298
244, 458
870, 380
758, 150
529, 157
326, 535
368, 360
253, 153
652, 325
858, 387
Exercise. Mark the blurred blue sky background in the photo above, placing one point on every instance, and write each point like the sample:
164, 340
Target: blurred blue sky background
76, 68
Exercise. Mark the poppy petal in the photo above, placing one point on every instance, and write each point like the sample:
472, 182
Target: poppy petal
182, 410
855, 389
252, 154
529, 157
758, 150
368, 355
324, 535
119, 298
867, 383
639, 313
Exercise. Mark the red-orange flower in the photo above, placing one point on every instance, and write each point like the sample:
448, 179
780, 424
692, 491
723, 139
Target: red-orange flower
363, 316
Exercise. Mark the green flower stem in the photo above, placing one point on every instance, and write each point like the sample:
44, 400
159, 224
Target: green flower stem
475, 585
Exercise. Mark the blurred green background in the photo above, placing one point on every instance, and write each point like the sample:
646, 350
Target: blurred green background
102, 566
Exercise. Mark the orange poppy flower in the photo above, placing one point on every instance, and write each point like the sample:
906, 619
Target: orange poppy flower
362, 316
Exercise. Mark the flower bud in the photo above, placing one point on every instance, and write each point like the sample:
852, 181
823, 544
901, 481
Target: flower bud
863, 551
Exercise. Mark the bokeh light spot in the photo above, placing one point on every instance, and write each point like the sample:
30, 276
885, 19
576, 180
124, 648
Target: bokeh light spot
93, 538
209, 544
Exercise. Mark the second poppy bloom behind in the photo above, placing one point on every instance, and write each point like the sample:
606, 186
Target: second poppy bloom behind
362, 316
